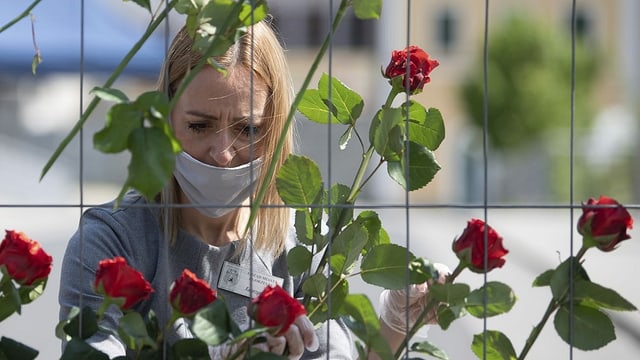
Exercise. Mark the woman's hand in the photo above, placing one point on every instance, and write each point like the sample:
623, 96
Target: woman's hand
300, 336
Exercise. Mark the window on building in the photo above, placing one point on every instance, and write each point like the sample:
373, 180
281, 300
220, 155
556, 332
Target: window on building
446, 30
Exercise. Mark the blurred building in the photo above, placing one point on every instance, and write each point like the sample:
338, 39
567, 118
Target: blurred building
452, 32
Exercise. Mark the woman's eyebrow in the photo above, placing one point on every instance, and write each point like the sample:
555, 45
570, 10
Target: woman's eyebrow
238, 119
201, 115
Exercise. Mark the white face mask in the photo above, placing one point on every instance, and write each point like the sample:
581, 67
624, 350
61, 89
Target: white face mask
220, 189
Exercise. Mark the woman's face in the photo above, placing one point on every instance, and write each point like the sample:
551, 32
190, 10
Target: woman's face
214, 120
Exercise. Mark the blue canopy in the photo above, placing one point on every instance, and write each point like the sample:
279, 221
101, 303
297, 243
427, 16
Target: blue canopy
108, 36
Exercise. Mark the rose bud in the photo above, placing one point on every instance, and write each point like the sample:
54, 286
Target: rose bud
116, 279
24, 260
420, 65
606, 225
469, 247
190, 294
274, 307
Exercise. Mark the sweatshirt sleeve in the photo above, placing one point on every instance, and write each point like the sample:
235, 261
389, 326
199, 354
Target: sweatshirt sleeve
98, 237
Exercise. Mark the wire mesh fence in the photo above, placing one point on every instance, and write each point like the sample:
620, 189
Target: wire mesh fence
532, 195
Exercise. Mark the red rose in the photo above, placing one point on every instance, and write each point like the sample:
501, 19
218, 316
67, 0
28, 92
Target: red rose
420, 65
189, 293
274, 307
606, 225
116, 279
469, 247
25, 261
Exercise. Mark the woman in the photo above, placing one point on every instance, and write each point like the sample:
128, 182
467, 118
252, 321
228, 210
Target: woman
228, 126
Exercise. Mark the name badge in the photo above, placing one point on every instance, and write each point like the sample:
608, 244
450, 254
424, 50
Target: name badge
240, 281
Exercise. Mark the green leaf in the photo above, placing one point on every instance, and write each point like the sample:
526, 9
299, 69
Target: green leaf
364, 323
367, 9
386, 266
73, 328
193, 349
144, 3
319, 308
304, 227
428, 348
349, 243
345, 104
77, 349
155, 104
425, 128
499, 346
37, 60
345, 137
212, 323
259, 9
560, 280
422, 270
313, 107
133, 331
448, 293
339, 215
500, 299
299, 260
299, 181
377, 234
315, 285
149, 171
597, 296
387, 134
29, 293
109, 94
422, 168
447, 314
544, 279
122, 120
15, 350
592, 329
10, 302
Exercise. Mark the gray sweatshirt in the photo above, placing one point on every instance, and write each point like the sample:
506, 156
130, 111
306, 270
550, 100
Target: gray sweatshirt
133, 231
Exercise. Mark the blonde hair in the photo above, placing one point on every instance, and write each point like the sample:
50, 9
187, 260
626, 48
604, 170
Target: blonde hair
269, 64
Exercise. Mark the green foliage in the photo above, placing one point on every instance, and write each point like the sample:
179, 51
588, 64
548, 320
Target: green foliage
499, 300
592, 329
11, 349
213, 324
133, 331
529, 83
363, 322
498, 346
367, 9
428, 348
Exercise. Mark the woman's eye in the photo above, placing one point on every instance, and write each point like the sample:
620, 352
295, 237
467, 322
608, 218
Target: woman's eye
198, 127
250, 130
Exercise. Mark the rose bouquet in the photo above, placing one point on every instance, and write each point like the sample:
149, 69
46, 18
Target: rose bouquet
25, 268
215, 333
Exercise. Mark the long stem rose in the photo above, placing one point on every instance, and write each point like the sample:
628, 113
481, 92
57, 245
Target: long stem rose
116, 279
190, 294
604, 223
274, 307
420, 66
470, 247
23, 258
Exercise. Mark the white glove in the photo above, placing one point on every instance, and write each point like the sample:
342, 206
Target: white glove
393, 303
300, 336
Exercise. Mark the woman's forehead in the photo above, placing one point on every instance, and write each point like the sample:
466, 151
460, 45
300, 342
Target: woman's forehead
235, 88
